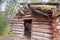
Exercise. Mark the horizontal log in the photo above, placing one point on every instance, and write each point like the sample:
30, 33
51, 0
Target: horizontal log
17, 29
41, 26
18, 32
42, 30
41, 23
42, 34
27, 18
41, 18
18, 24
41, 38
16, 19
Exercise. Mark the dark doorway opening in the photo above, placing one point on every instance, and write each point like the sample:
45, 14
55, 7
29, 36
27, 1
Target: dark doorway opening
27, 30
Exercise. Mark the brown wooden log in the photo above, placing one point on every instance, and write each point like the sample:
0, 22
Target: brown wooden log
40, 38
18, 27
42, 34
17, 30
15, 19
35, 23
18, 24
42, 26
42, 30
39, 12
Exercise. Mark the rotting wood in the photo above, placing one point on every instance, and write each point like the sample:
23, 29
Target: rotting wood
39, 12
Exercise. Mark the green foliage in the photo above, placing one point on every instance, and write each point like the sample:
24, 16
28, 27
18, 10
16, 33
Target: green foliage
58, 0
3, 28
51, 0
11, 9
35, 0
5, 16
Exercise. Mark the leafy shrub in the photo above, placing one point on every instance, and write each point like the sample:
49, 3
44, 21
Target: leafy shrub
3, 28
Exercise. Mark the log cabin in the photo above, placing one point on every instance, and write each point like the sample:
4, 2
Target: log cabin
37, 21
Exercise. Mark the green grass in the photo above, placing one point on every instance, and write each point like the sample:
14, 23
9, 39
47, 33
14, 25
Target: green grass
3, 28
12, 36
4, 32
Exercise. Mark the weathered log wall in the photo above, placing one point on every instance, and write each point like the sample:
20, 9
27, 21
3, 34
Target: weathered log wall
41, 29
17, 27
